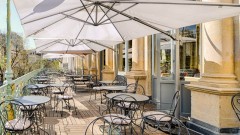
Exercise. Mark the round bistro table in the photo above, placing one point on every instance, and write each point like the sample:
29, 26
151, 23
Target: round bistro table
137, 97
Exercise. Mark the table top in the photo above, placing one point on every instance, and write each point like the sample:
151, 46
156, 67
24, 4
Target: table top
33, 100
33, 86
41, 79
60, 85
111, 88
77, 75
108, 81
138, 97
42, 76
53, 72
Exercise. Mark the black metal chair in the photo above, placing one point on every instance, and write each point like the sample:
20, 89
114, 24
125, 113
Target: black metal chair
135, 88
120, 119
158, 112
98, 127
120, 80
66, 96
13, 120
235, 102
31, 89
163, 122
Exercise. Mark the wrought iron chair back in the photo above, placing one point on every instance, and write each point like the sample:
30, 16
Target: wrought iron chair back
31, 89
135, 88
166, 123
235, 102
175, 103
120, 117
13, 120
120, 80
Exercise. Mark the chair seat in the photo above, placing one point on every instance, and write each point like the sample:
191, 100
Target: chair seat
17, 124
65, 97
117, 119
156, 116
57, 92
128, 105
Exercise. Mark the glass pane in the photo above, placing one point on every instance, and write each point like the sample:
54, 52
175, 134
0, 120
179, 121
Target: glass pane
189, 51
165, 61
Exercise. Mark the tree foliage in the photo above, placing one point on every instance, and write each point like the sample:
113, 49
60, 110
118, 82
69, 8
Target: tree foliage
20, 62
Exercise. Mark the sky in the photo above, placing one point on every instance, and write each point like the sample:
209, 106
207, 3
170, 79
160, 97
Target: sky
15, 23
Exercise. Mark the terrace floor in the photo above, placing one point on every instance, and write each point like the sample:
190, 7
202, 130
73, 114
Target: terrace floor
75, 124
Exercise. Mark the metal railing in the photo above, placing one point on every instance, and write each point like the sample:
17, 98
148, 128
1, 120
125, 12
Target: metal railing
16, 87
18, 84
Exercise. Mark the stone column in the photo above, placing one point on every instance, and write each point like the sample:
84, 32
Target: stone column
126, 57
85, 64
107, 72
89, 63
98, 64
137, 71
120, 57
211, 96
93, 69
148, 64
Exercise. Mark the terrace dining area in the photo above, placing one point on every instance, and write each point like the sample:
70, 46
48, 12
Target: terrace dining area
49, 103
120, 67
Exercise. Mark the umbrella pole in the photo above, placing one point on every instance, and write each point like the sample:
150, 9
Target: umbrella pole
177, 72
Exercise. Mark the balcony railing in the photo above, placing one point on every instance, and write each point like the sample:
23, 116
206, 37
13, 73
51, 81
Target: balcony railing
18, 84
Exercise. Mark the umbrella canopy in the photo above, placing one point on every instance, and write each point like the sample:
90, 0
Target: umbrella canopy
55, 55
116, 20
71, 46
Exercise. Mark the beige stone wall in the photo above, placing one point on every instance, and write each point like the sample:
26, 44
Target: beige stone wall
213, 109
205, 107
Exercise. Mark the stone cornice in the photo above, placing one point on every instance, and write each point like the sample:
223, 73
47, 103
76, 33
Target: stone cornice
212, 90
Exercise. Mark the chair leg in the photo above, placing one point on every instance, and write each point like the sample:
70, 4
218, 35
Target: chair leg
95, 95
74, 107
62, 109
143, 127
101, 96
104, 124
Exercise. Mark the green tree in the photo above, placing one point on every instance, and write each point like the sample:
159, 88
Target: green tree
20, 58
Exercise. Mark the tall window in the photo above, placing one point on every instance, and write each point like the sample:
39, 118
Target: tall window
189, 51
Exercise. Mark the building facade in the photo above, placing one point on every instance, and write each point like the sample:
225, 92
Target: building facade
209, 63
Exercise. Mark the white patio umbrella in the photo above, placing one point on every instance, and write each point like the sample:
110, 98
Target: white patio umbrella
56, 55
72, 46
116, 20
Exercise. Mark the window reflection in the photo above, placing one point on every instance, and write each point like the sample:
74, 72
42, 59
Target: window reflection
189, 51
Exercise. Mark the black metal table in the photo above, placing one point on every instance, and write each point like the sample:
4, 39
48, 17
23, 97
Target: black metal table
137, 97
33, 103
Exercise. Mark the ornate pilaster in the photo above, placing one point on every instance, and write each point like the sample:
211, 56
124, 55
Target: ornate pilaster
211, 96
137, 71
